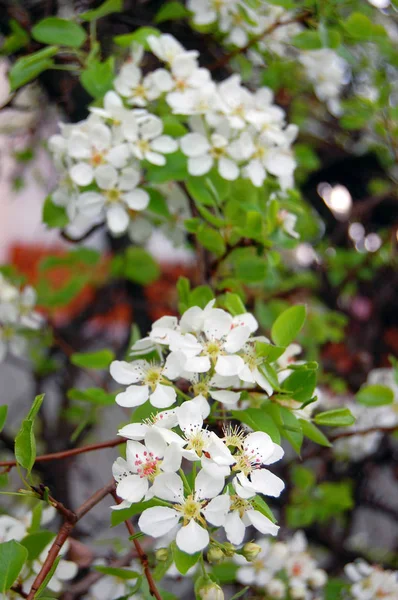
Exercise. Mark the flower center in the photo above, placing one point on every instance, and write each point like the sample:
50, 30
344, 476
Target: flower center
97, 158
197, 442
212, 349
112, 195
217, 152
153, 376
144, 146
140, 91
259, 152
149, 467
250, 357
201, 389
191, 510
246, 463
240, 505
234, 436
181, 85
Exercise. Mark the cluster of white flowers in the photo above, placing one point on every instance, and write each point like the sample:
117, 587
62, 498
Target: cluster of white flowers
212, 351
17, 316
17, 528
240, 22
101, 158
370, 582
357, 447
112, 587
284, 569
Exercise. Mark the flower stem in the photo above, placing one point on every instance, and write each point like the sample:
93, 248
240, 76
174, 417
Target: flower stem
185, 481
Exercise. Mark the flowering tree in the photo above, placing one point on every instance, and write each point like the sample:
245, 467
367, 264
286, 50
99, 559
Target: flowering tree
237, 426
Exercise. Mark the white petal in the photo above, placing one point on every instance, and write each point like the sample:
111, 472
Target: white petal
189, 417
219, 452
126, 373
134, 431
255, 172
234, 528
118, 156
203, 405
259, 445
106, 177
267, 483
172, 459
207, 486
151, 127
164, 144
229, 365
155, 442
169, 486
135, 395
66, 570
226, 397
262, 381
137, 199
275, 456
117, 219
236, 339
192, 538
129, 179
163, 397
217, 324
158, 520
228, 169
192, 319
82, 174
132, 488
217, 509
197, 364
155, 158
174, 365
261, 522
200, 165
246, 320
194, 145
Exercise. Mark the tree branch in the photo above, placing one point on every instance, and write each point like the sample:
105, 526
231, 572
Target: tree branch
141, 555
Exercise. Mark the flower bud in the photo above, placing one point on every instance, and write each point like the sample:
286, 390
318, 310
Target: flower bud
250, 551
276, 588
211, 591
215, 554
162, 554
229, 549
318, 578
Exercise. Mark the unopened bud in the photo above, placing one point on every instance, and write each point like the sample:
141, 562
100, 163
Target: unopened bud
215, 554
251, 550
229, 549
162, 554
276, 588
211, 591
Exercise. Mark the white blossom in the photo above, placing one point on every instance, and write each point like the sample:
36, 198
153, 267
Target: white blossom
371, 581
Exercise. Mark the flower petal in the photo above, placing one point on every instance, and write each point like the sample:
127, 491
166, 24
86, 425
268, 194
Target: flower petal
169, 486
217, 509
229, 365
163, 397
200, 165
194, 145
117, 219
234, 528
261, 522
267, 483
226, 397
82, 174
135, 395
132, 488
236, 339
189, 417
192, 538
207, 486
126, 373
136, 199
158, 520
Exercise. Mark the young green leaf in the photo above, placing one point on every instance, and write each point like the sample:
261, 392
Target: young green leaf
234, 304
93, 395
140, 266
258, 420
375, 395
184, 561
12, 558
337, 417
93, 360
25, 443
3, 415
171, 11
53, 215
288, 325
29, 67
61, 32
97, 78
139, 36
119, 573
35, 543
212, 240
106, 8
314, 434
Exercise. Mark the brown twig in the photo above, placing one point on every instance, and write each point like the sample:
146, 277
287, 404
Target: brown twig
228, 57
86, 235
141, 555
65, 532
345, 434
67, 453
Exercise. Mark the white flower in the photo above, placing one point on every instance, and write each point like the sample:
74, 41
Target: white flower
117, 195
193, 509
131, 85
202, 154
143, 464
289, 221
327, 71
257, 449
146, 381
243, 515
371, 582
65, 571
168, 49
150, 144
250, 372
11, 529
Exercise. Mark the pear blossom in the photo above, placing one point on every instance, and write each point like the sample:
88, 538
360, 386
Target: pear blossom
146, 381
327, 71
371, 581
193, 508
203, 154
151, 144
65, 570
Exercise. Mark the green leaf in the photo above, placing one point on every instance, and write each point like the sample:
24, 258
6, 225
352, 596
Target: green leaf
251, 269
199, 191
47, 579
12, 558
291, 429
140, 266
139, 36
93, 395
200, 296
314, 434
171, 12
53, 215
212, 240
375, 395
225, 572
97, 78
338, 417
17, 39
25, 443
307, 40
184, 561
258, 420
119, 516
300, 384
241, 593
93, 360
360, 27
104, 9
61, 32
28, 67
270, 374
234, 304
183, 289
3, 416
269, 352
288, 325
119, 573
35, 543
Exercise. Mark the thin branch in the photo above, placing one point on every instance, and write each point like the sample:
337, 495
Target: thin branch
141, 555
65, 532
67, 453
345, 434
228, 57
86, 235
